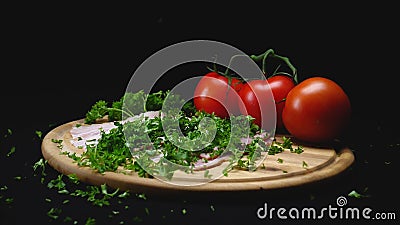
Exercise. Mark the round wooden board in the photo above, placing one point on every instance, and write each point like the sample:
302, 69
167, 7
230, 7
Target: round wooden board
322, 162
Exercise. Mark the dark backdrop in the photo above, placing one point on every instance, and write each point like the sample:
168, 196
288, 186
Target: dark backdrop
59, 62
85, 53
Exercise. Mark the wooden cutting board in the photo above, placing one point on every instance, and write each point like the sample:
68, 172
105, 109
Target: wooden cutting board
288, 171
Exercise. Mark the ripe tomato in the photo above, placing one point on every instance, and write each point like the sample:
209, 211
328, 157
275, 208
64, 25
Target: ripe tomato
217, 94
280, 85
258, 102
316, 110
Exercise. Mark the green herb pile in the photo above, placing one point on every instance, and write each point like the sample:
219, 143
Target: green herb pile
112, 153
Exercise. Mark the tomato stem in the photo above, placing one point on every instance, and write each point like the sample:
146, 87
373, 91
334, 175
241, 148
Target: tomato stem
270, 52
230, 62
262, 58
287, 61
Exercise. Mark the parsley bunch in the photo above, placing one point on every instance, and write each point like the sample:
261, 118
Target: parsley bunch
116, 149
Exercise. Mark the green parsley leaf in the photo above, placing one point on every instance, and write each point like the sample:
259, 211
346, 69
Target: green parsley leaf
39, 134
9, 132
90, 221
57, 183
73, 178
155, 100
278, 147
125, 194
97, 111
54, 213
9, 200
105, 192
67, 219
41, 163
58, 142
12, 151
141, 196
355, 194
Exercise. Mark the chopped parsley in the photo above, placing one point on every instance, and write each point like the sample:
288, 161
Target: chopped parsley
112, 151
54, 213
355, 194
278, 147
39, 134
9, 201
57, 183
137, 103
58, 142
9, 133
90, 221
12, 151
141, 196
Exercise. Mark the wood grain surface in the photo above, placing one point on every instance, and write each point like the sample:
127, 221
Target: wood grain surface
288, 171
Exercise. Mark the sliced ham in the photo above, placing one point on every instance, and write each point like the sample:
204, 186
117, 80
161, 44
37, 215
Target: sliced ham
202, 164
82, 134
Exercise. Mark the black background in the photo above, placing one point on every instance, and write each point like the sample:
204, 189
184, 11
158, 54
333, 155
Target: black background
58, 62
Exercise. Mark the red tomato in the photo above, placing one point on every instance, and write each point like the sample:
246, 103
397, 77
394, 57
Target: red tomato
280, 86
258, 102
217, 94
316, 110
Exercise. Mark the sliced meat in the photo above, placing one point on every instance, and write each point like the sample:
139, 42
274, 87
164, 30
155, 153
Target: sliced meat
80, 135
